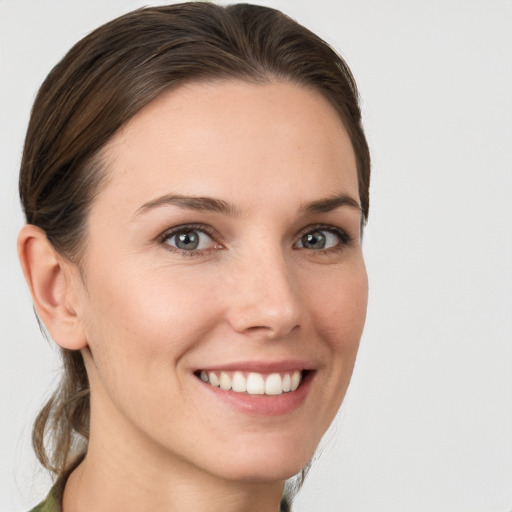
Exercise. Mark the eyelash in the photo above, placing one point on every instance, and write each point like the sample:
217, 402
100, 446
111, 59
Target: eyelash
344, 239
167, 235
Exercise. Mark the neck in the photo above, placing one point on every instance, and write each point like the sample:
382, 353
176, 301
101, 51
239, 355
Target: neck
119, 474
99, 489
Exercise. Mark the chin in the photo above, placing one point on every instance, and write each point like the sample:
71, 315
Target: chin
270, 472
267, 462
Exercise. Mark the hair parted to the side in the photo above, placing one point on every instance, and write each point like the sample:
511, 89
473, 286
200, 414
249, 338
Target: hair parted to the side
102, 82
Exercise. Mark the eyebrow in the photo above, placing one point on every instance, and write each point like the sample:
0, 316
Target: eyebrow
208, 204
211, 204
329, 204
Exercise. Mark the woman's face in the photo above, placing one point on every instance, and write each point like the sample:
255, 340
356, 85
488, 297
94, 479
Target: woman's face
225, 246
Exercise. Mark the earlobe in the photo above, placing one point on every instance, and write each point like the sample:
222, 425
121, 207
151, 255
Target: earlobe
48, 281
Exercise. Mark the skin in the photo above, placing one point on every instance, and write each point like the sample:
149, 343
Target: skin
147, 315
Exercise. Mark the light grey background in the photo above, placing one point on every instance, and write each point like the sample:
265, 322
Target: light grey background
427, 423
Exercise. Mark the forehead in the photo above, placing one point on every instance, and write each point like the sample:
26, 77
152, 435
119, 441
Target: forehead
229, 140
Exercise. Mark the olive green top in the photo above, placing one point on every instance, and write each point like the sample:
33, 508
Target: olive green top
50, 504
53, 502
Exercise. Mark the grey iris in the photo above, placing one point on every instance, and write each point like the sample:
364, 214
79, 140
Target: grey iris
315, 240
187, 240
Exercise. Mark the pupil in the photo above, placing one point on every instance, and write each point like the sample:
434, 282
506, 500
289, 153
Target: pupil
187, 241
314, 240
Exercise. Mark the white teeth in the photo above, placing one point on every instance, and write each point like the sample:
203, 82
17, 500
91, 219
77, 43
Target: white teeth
255, 384
287, 383
225, 381
239, 383
295, 380
214, 380
274, 384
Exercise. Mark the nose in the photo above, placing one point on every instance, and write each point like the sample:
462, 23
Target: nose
265, 299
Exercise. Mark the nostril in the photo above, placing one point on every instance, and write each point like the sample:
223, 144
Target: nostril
271, 332
268, 306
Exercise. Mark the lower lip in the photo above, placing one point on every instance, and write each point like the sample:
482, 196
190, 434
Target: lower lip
263, 405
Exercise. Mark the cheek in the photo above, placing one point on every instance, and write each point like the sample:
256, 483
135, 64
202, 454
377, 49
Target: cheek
339, 306
339, 312
141, 326
140, 323
137, 303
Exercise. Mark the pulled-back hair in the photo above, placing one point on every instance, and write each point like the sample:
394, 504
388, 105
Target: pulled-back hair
102, 82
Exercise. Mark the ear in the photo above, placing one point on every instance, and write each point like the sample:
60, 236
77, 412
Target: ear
49, 277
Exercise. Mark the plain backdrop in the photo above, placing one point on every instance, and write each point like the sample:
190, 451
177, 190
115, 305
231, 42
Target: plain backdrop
427, 423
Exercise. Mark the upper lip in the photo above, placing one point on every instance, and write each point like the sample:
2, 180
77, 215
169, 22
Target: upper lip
287, 365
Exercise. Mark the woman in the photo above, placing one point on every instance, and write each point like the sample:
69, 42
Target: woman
195, 183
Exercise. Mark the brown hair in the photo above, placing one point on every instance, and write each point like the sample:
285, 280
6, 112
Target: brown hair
104, 80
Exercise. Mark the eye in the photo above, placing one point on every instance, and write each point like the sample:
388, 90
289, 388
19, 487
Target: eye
323, 238
189, 239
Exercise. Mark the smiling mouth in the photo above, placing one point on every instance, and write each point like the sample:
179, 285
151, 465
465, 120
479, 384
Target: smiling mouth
254, 383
